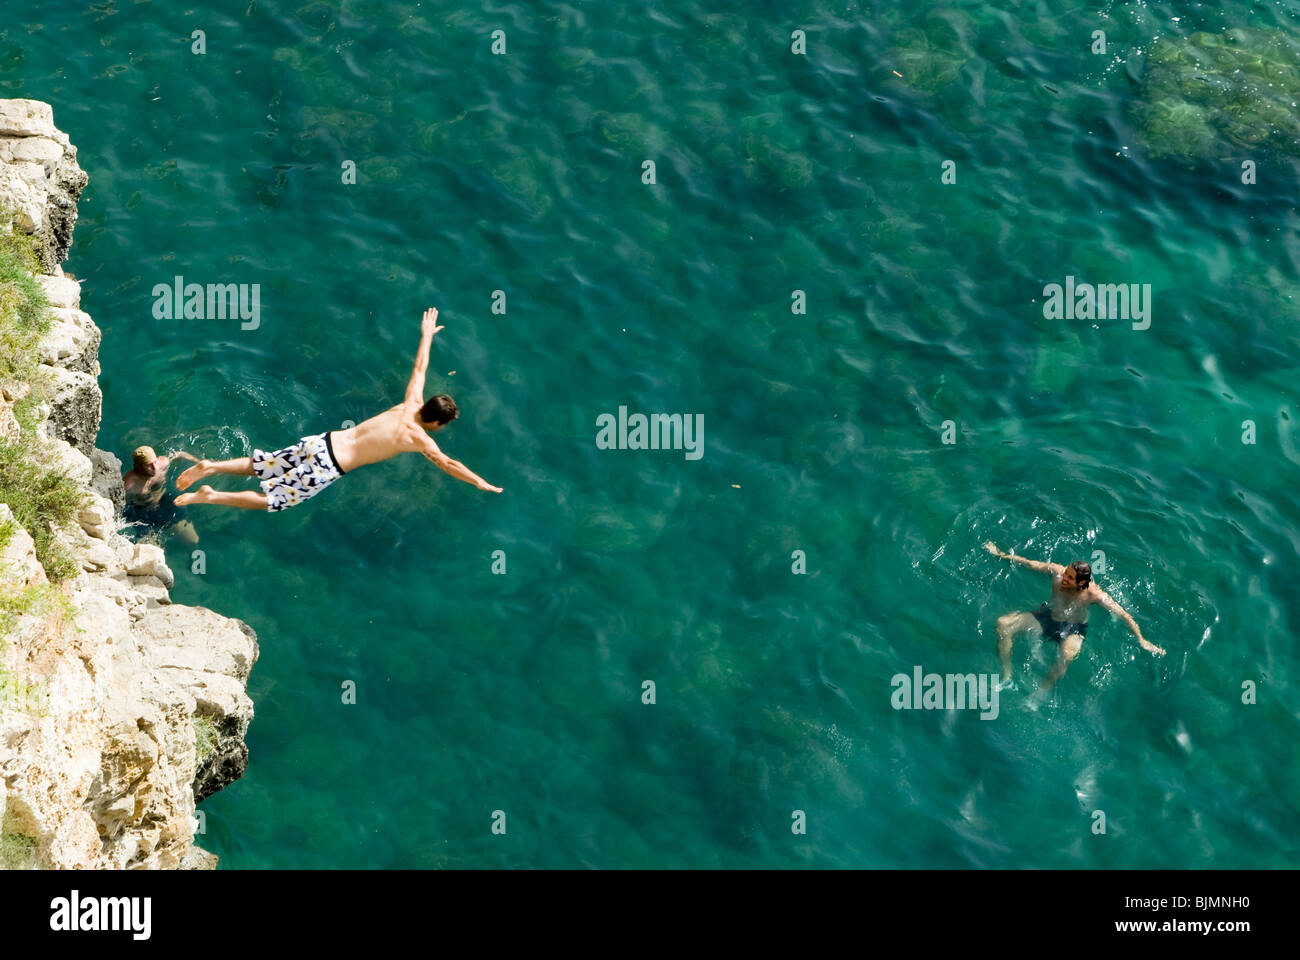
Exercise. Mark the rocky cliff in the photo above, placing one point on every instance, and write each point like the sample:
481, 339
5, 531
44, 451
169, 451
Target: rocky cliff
118, 709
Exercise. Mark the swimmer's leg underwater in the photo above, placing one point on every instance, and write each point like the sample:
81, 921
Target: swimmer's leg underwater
1010, 624
1070, 646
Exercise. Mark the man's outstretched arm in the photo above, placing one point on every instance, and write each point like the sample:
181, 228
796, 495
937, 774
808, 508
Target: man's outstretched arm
455, 467
1039, 565
428, 327
1109, 603
160, 478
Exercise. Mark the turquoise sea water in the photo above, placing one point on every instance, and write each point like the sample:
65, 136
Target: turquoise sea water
823, 431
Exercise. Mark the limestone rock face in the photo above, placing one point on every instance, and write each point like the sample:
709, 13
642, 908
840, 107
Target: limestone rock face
75, 407
39, 177
98, 761
199, 859
61, 291
214, 674
73, 343
104, 682
106, 478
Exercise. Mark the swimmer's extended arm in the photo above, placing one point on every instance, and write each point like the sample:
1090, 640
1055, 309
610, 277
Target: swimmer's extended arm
1109, 603
159, 479
454, 467
428, 327
1039, 565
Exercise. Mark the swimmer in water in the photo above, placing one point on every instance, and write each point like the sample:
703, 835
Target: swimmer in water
305, 468
147, 499
1064, 619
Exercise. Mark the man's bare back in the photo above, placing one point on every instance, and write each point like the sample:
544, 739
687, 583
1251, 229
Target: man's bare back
397, 430
382, 436
296, 473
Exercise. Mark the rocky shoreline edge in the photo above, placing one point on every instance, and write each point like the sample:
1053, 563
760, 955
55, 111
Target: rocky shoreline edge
119, 710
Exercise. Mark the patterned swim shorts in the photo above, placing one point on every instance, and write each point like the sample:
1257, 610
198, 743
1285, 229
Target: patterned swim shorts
296, 473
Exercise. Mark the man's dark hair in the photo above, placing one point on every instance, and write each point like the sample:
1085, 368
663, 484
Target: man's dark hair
1082, 572
439, 410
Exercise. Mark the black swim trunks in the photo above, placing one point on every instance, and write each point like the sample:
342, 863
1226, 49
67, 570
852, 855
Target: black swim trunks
1057, 630
161, 514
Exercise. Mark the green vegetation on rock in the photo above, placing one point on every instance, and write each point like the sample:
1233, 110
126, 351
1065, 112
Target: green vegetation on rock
17, 850
205, 737
35, 599
40, 497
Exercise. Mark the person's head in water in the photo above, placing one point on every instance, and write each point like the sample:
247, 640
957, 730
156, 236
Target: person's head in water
438, 411
1077, 576
145, 461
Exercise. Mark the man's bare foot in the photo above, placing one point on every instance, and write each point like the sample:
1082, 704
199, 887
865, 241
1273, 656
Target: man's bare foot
196, 472
201, 495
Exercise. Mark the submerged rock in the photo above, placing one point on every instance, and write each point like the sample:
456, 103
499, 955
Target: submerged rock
923, 64
1210, 96
930, 54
